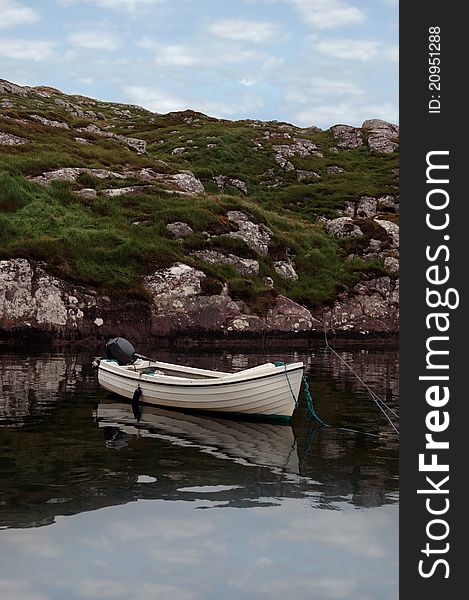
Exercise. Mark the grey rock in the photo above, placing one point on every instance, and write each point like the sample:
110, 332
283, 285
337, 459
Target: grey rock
334, 169
256, 237
270, 179
302, 175
11, 88
392, 229
285, 269
387, 203
134, 143
349, 209
366, 207
184, 182
123, 191
343, 227
8, 139
76, 111
32, 297
179, 229
72, 174
6, 104
374, 246
175, 283
222, 181
50, 123
245, 266
373, 306
383, 137
391, 265
180, 307
87, 193
300, 147
287, 315
347, 136
240, 185
180, 150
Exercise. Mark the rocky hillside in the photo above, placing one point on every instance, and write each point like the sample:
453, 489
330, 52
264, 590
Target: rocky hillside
116, 219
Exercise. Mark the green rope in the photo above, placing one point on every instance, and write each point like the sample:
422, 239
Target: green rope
309, 398
310, 403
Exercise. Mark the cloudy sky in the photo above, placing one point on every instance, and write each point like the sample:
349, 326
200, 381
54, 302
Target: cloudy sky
309, 62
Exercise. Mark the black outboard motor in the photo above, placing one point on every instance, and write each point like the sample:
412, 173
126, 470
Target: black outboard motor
121, 350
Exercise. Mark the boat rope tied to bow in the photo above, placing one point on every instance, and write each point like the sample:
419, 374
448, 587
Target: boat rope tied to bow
309, 398
310, 404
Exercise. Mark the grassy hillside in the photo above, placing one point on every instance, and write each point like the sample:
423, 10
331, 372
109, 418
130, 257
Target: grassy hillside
111, 242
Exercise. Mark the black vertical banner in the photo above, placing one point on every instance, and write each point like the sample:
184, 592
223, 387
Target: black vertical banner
434, 253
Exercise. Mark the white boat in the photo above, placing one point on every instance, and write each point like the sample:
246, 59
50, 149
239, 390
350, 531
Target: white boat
246, 443
268, 390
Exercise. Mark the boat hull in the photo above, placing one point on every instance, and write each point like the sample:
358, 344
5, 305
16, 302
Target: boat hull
272, 391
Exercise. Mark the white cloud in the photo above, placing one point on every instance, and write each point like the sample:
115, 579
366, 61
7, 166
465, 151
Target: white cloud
326, 14
155, 99
309, 90
247, 81
179, 56
160, 101
87, 80
350, 49
244, 30
128, 5
362, 50
186, 56
16, 589
94, 40
327, 115
14, 13
392, 53
35, 50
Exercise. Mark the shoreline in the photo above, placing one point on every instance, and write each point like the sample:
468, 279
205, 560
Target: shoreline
37, 338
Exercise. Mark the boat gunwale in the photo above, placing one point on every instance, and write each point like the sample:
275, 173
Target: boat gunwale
189, 383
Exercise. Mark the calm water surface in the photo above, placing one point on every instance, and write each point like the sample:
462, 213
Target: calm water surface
94, 505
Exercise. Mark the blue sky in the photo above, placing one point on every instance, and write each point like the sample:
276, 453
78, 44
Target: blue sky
308, 62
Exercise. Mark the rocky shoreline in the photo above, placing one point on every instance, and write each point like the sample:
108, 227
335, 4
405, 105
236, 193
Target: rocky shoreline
36, 304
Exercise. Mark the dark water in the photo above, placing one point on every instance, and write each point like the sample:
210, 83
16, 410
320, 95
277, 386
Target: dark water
93, 505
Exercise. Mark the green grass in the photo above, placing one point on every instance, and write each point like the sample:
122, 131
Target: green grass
111, 243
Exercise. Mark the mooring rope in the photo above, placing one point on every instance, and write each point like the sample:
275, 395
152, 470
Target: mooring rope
377, 400
310, 403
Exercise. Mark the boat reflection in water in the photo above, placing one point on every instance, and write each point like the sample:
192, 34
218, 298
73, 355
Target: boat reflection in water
244, 442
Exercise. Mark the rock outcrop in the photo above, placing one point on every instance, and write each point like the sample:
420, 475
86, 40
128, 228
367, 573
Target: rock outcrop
179, 229
34, 302
256, 237
180, 307
373, 307
8, 139
245, 266
343, 227
72, 174
347, 136
383, 137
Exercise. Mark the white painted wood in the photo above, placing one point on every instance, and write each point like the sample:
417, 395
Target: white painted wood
264, 390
